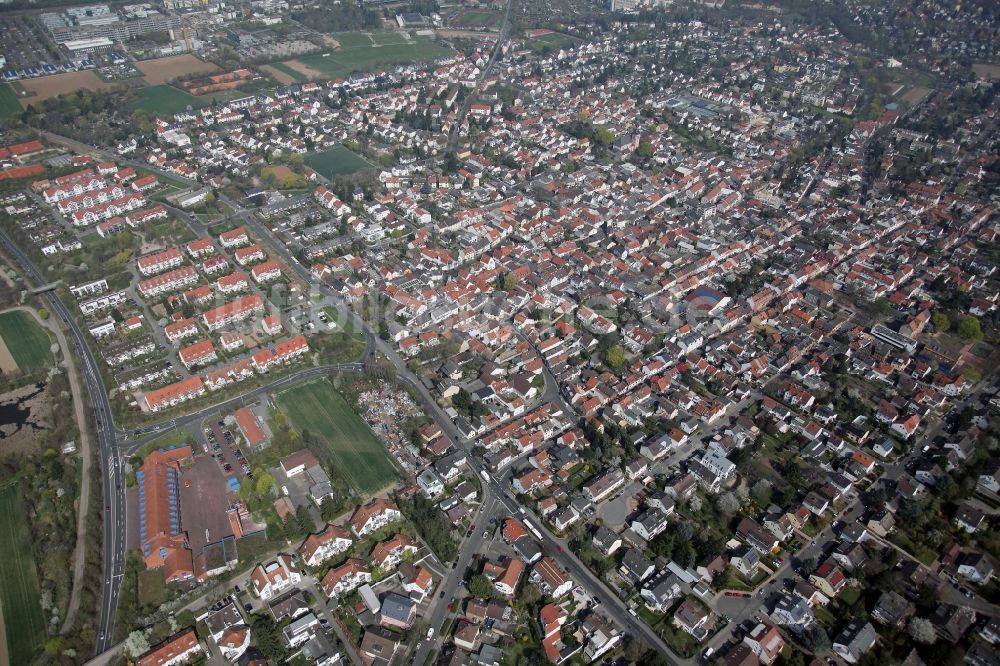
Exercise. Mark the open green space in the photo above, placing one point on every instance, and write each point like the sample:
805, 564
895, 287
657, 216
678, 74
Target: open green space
475, 18
343, 324
337, 161
167, 99
9, 106
344, 61
391, 37
553, 40
27, 342
345, 440
294, 73
351, 40
19, 594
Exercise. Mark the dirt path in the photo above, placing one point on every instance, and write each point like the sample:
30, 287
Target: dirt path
84, 501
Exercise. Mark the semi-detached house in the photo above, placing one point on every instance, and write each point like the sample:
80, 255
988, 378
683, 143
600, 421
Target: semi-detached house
272, 578
320, 547
373, 516
349, 576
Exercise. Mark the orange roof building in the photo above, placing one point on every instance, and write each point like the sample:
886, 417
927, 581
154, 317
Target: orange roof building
174, 650
163, 541
252, 432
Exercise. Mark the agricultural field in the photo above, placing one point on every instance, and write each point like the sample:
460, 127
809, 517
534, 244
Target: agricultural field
166, 99
22, 613
336, 161
477, 18
27, 342
349, 444
344, 61
9, 105
45, 87
161, 70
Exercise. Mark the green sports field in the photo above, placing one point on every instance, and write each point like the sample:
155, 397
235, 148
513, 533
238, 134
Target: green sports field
336, 161
22, 612
9, 106
390, 50
474, 18
350, 40
167, 100
348, 444
27, 342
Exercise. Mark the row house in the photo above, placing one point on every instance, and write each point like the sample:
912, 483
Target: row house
167, 282
104, 211
200, 353
266, 272
249, 254
232, 312
179, 330
233, 283
137, 218
124, 352
153, 264
214, 265
232, 374
200, 248
234, 238
198, 296
284, 351
174, 394
103, 302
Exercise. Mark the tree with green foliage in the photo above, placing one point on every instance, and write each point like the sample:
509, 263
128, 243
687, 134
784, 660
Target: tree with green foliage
432, 525
267, 637
480, 586
969, 328
645, 150
304, 521
603, 136
614, 357
264, 484
941, 322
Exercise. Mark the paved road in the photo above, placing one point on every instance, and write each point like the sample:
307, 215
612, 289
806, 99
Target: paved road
139, 436
110, 459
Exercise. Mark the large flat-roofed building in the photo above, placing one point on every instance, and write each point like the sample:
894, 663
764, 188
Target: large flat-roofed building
162, 537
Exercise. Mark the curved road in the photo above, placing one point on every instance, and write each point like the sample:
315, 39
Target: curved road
111, 463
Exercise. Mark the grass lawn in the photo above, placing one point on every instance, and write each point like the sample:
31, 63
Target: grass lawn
391, 37
346, 440
352, 40
22, 612
337, 161
168, 100
343, 324
27, 341
9, 106
474, 18
363, 58
171, 440
553, 40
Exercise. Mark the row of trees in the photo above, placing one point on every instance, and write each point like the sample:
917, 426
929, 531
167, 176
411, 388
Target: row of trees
432, 525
